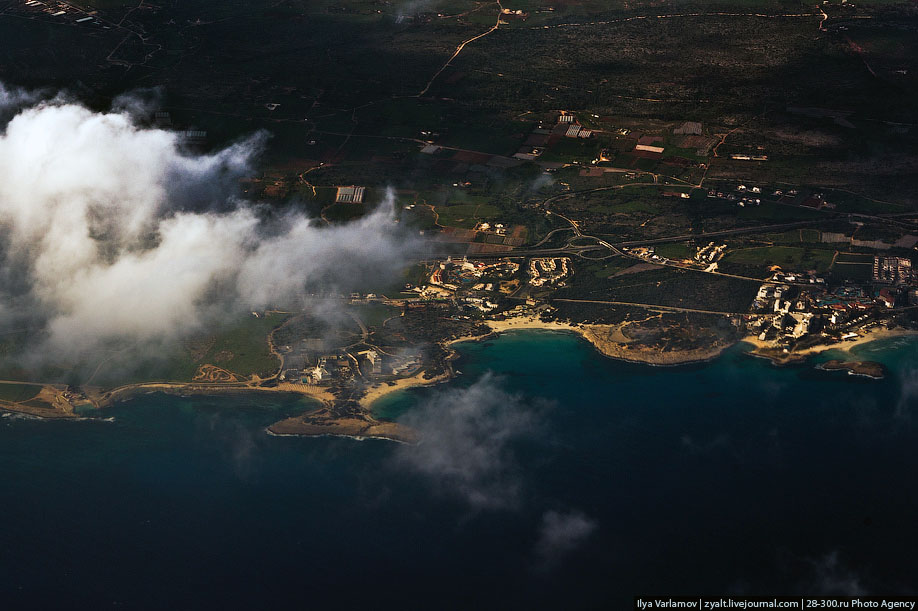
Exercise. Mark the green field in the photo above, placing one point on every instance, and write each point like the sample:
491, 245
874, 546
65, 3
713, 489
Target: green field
18, 392
854, 257
374, 314
243, 348
465, 215
679, 250
788, 257
854, 272
605, 269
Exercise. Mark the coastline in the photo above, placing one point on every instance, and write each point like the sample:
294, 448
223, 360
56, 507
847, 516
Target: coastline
102, 399
323, 420
610, 341
611, 348
357, 421
779, 357
358, 424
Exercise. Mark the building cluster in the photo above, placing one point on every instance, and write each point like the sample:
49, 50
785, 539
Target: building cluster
317, 374
322, 367
794, 306
752, 196
314, 366
365, 298
495, 228
705, 257
790, 320
511, 14
646, 252
548, 270
62, 10
546, 134
711, 253
472, 284
896, 271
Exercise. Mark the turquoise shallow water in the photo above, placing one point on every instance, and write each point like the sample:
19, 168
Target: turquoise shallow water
729, 477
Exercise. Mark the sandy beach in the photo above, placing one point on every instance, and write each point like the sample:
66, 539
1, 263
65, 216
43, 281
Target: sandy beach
381, 389
529, 322
320, 393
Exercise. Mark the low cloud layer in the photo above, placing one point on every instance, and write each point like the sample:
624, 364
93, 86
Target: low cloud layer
469, 449
832, 577
12, 98
908, 393
112, 231
562, 533
466, 443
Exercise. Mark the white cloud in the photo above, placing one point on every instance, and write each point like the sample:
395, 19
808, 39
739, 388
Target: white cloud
466, 436
833, 577
561, 533
13, 97
114, 232
908, 393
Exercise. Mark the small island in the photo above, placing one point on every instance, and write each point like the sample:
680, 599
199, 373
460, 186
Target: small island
867, 369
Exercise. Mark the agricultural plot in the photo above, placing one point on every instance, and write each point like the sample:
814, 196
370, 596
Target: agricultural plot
465, 216
794, 236
769, 211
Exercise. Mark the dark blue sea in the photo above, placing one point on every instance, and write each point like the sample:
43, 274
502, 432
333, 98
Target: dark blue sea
551, 478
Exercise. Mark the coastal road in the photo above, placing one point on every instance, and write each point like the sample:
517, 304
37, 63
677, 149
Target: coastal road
364, 332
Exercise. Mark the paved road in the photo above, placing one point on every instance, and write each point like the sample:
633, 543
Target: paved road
714, 234
614, 246
651, 306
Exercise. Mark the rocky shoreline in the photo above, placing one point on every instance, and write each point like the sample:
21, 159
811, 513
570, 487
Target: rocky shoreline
611, 341
781, 357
